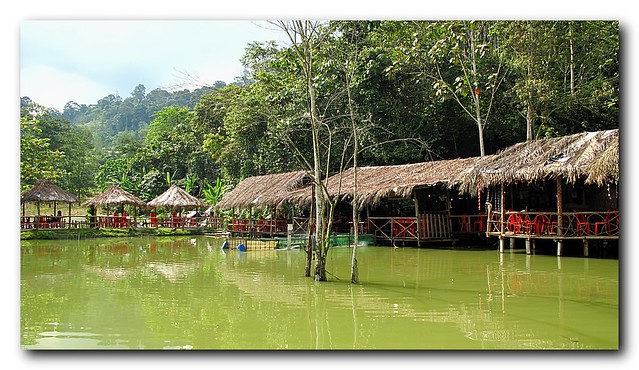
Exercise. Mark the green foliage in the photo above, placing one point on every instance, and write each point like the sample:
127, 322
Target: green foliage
403, 77
214, 193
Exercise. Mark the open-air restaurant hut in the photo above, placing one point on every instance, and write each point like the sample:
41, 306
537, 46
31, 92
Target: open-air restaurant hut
45, 191
579, 172
115, 196
175, 199
265, 191
424, 185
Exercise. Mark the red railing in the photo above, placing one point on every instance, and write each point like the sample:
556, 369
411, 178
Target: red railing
574, 224
428, 226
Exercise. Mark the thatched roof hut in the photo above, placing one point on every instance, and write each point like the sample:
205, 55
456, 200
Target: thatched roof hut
592, 156
263, 191
115, 195
175, 198
46, 191
375, 183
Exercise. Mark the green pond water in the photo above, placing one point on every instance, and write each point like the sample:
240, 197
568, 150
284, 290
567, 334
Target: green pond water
187, 293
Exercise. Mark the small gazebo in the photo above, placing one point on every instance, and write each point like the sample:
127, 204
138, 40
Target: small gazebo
174, 199
116, 196
45, 191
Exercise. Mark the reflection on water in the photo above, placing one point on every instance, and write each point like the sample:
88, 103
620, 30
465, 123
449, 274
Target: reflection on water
187, 293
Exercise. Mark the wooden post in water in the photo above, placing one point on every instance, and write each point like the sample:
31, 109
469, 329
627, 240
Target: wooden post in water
560, 217
449, 222
417, 218
502, 241
585, 247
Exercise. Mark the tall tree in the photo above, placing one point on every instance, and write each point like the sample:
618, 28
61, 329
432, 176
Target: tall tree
478, 69
306, 39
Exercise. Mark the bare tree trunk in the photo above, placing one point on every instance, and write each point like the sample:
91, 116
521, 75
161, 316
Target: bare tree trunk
304, 46
572, 62
309, 241
354, 270
475, 93
530, 117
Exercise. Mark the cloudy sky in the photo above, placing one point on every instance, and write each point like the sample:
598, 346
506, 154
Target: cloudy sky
86, 60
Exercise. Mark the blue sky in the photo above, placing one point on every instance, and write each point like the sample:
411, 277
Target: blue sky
86, 60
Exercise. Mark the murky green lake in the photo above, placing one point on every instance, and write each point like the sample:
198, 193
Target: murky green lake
186, 293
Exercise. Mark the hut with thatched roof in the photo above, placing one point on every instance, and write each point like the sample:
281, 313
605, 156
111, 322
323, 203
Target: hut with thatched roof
263, 191
579, 172
378, 183
45, 191
592, 157
415, 195
116, 196
176, 199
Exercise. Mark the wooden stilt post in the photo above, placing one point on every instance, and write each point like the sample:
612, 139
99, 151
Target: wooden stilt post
585, 247
527, 245
37, 224
69, 223
560, 217
418, 220
502, 230
449, 222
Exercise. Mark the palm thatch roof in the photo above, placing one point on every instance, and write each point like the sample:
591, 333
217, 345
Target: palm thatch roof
174, 198
592, 156
262, 191
115, 195
375, 183
46, 191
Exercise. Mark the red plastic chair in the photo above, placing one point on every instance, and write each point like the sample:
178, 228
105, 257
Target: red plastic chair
478, 225
464, 224
605, 225
515, 223
583, 226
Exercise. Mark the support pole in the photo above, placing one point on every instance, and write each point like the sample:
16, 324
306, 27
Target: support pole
560, 213
418, 220
527, 246
585, 247
502, 229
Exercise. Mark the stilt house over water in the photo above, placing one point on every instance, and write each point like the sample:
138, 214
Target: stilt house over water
563, 188
408, 203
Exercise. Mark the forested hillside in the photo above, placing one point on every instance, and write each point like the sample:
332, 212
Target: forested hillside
406, 91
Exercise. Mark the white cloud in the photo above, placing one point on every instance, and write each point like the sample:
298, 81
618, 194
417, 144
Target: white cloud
54, 88
85, 61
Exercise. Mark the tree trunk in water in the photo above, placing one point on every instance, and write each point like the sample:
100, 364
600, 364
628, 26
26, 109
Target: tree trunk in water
309, 242
354, 274
320, 266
